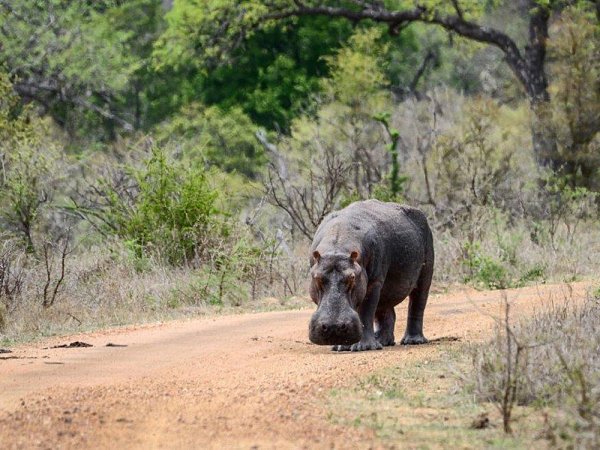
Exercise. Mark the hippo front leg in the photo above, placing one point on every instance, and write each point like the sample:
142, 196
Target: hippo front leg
367, 316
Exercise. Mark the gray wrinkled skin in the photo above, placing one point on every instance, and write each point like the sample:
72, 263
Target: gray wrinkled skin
365, 259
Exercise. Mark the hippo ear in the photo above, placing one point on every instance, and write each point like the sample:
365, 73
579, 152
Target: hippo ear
354, 255
317, 256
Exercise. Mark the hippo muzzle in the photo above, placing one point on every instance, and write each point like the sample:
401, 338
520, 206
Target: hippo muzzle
344, 328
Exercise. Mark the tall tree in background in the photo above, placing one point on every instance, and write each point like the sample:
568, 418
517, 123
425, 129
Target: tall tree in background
82, 62
575, 91
271, 73
240, 18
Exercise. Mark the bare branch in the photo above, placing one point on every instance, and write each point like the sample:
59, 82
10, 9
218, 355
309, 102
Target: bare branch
309, 198
429, 58
50, 297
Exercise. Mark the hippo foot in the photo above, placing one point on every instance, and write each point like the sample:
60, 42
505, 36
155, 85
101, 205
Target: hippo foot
413, 340
385, 340
370, 344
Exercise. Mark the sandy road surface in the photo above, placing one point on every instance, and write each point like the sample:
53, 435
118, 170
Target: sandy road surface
248, 381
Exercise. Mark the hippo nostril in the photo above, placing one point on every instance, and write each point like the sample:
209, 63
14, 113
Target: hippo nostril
343, 327
324, 328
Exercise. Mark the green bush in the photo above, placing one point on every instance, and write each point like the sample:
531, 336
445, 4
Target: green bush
234, 272
536, 273
483, 269
28, 166
566, 206
216, 137
170, 214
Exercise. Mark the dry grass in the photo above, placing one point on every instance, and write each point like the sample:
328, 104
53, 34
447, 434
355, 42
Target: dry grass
511, 256
450, 399
105, 286
420, 405
557, 369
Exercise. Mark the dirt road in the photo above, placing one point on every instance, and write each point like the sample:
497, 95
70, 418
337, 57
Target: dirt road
248, 381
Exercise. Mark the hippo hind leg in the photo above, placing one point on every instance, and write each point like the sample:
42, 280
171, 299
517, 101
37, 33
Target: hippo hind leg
384, 326
416, 309
414, 325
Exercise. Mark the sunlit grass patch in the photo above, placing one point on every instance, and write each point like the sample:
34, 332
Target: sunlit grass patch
422, 405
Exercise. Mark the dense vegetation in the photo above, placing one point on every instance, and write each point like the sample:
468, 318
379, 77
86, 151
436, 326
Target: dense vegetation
189, 149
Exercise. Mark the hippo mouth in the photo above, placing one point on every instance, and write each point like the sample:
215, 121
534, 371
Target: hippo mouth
340, 332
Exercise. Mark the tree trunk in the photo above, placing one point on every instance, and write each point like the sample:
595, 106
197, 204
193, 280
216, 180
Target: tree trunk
542, 137
589, 180
536, 87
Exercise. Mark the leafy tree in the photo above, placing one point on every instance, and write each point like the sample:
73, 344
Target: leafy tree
27, 165
223, 139
333, 156
463, 18
575, 108
352, 95
82, 62
271, 75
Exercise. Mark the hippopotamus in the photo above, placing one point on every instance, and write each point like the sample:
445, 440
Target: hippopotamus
365, 259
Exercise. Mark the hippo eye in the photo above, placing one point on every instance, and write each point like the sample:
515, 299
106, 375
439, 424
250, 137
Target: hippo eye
320, 281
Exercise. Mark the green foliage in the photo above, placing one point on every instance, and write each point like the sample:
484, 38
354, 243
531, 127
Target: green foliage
223, 139
74, 39
575, 90
344, 123
476, 156
172, 214
381, 191
502, 264
483, 269
536, 273
565, 205
396, 181
272, 86
196, 25
74, 58
233, 269
334, 155
27, 165
357, 75
15, 121
282, 91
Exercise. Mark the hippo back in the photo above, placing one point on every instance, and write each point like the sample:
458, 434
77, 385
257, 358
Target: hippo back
394, 242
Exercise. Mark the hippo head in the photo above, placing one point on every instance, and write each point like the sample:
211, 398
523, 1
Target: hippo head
338, 286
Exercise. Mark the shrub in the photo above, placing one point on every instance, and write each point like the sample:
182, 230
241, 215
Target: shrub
566, 206
483, 269
550, 360
162, 208
574, 46
173, 211
27, 167
535, 273
11, 276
